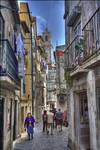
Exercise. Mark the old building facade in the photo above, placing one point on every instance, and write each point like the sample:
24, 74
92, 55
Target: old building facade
26, 97
82, 61
40, 80
51, 86
9, 79
60, 80
47, 44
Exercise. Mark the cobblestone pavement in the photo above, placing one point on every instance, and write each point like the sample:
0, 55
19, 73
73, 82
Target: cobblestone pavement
42, 141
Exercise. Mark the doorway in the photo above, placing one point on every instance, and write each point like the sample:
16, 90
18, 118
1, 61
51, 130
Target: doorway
15, 120
22, 119
1, 122
84, 121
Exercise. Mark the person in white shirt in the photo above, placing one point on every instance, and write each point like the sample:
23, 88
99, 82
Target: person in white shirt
50, 122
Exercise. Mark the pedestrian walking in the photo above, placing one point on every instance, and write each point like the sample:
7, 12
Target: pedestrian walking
54, 117
44, 118
50, 122
59, 119
29, 125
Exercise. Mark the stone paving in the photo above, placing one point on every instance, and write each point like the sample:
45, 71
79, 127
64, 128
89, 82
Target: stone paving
42, 141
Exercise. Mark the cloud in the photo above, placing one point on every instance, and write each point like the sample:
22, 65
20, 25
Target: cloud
42, 19
41, 24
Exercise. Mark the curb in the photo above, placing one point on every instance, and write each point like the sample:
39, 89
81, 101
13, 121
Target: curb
19, 138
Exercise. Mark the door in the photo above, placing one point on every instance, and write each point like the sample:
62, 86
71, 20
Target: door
98, 115
22, 119
15, 120
84, 121
1, 122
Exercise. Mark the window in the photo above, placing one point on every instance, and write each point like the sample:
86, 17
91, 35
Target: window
9, 114
77, 29
23, 89
98, 29
76, 32
46, 38
1, 37
84, 118
1, 27
10, 34
98, 3
98, 102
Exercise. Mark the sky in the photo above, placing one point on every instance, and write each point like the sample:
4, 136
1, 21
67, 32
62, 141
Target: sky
49, 13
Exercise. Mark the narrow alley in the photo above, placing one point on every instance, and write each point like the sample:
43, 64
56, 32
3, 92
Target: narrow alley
42, 141
50, 74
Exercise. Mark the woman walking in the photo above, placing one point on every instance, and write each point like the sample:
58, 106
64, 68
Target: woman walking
29, 124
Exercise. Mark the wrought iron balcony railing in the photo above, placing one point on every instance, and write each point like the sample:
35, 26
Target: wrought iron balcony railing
83, 47
8, 61
92, 34
74, 52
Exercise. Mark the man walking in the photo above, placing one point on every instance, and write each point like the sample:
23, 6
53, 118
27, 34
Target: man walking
44, 118
59, 119
50, 122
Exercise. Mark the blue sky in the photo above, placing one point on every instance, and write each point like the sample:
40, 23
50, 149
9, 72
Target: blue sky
50, 14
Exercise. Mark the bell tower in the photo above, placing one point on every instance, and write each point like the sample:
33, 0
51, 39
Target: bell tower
47, 42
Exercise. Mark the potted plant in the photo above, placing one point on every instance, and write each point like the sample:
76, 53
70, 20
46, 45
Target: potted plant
68, 77
79, 50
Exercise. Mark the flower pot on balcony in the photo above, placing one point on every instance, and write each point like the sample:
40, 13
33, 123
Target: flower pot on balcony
80, 46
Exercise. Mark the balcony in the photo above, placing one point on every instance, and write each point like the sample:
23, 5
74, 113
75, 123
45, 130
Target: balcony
82, 48
51, 89
51, 97
92, 35
74, 53
8, 61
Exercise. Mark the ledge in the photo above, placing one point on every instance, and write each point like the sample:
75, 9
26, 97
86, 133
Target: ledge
93, 61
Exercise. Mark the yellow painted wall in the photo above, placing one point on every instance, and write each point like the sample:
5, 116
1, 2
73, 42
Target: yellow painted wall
25, 17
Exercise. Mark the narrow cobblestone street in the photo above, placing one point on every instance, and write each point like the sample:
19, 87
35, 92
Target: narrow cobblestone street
42, 141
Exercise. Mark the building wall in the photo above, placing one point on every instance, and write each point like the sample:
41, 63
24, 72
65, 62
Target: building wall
9, 22
40, 90
8, 118
7, 88
82, 83
51, 86
48, 45
26, 99
60, 79
25, 17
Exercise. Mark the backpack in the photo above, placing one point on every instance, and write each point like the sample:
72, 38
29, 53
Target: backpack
59, 115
